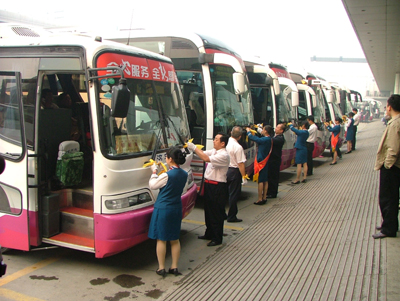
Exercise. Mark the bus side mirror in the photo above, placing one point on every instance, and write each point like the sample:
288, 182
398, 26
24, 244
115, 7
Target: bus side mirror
314, 101
295, 98
238, 83
277, 87
269, 81
330, 96
120, 99
175, 99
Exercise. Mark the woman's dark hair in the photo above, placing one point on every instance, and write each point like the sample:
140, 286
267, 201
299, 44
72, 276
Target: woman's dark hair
305, 124
176, 154
351, 114
269, 130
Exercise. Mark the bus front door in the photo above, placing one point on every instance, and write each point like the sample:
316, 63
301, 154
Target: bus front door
14, 211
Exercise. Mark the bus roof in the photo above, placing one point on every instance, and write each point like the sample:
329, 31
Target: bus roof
17, 35
199, 40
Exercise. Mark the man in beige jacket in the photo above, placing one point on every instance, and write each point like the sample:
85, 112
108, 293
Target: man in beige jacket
388, 163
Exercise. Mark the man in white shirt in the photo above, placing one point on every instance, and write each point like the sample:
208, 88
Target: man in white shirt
215, 188
236, 173
356, 122
312, 131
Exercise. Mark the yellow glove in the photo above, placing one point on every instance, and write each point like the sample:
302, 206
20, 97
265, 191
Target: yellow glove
164, 168
151, 162
253, 132
289, 124
186, 145
199, 146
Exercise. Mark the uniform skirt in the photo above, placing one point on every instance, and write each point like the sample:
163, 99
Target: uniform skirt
263, 175
301, 156
165, 224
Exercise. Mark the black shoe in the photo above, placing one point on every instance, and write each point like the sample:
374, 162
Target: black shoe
213, 244
203, 237
235, 220
379, 235
174, 271
297, 182
161, 272
304, 181
260, 202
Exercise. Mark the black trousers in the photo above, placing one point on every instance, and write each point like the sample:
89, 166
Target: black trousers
353, 146
234, 180
310, 163
273, 177
389, 184
215, 198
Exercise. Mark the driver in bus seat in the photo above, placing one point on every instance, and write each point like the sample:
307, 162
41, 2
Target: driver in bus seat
46, 101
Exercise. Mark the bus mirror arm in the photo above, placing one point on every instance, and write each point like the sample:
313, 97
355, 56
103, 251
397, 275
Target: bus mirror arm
120, 94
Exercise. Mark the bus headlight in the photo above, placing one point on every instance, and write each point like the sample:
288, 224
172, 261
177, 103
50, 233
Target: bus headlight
130, 201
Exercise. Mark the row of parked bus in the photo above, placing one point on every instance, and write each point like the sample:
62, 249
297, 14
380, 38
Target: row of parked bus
75, 175
207, 71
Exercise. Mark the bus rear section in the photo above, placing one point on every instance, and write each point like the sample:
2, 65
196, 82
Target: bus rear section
74, 173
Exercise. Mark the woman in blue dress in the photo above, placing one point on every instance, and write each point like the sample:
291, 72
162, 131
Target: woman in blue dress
264, 144
301, 150
165, 224
350, 132
335, 130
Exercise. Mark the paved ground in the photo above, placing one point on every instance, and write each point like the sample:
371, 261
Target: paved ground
312, 243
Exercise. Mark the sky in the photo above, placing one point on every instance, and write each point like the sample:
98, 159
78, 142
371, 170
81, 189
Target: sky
288, 32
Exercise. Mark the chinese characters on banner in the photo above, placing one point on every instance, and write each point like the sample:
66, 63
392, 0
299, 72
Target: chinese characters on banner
137, 67
281, 73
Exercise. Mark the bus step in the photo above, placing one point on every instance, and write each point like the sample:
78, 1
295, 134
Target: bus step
83, 198
77, 222
71, 241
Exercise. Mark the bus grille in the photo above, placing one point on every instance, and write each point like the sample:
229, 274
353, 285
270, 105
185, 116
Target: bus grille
25, 32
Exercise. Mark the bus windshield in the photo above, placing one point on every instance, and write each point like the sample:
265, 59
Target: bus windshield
229, 109
336, 109
285, 111
319, 113
263, 107
156, 117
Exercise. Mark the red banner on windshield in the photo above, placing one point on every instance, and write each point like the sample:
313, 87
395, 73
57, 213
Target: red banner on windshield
281, 73
137, 67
